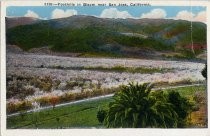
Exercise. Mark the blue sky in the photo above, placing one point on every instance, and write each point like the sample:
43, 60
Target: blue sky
45, 12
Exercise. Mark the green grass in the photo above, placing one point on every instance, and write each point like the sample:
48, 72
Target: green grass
76, 115
82, 115
189, 91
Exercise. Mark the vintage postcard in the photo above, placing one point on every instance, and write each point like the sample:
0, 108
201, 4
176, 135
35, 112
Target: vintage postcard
104, 68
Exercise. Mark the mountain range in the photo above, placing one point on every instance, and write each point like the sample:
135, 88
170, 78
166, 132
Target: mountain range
92, 36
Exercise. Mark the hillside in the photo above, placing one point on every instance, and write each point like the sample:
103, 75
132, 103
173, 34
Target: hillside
111, 37
17, 21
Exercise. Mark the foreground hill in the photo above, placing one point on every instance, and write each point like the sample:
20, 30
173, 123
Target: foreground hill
89, 35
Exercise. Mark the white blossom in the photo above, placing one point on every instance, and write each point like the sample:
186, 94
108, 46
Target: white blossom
28, 65
36, 106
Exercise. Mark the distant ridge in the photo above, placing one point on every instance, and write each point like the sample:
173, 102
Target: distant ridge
17, 21
105, 36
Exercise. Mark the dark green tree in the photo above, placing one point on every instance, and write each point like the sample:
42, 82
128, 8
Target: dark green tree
204, 71
136, 106
181, 105
101, 115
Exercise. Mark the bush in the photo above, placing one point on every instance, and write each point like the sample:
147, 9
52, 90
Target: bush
11, 107
181, 105
204, 71
54, 100
43, 83
19, 89
79, 96
71, 84
101, 115
26, 91
20, 106
67, 97
44, 101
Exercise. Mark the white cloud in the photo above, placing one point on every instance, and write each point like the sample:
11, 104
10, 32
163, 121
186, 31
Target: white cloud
155, 13
189, 16
31, 14
201, 17
115, 13
185, 15
59, 13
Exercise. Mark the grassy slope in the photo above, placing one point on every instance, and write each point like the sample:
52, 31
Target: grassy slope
75, 40
79, 115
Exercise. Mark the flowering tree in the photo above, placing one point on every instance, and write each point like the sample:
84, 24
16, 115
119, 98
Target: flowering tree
54, 100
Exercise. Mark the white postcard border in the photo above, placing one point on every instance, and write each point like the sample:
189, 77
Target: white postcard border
93, 132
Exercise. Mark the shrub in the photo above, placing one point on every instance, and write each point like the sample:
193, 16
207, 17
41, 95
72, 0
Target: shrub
19, 89
11, 107
25, 105
26, 91
56, 83
44, 83
20, 106
181, 105
80, 82
199, 97
97, 92
53, 101
79, 96
204, 71
44, 101
71, 84
67, 97
101, 115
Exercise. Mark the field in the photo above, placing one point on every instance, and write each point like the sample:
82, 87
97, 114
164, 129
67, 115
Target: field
83, 115
38, 78
37, 81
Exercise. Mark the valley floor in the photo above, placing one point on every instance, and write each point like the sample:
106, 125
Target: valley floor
106, 73
38, 78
